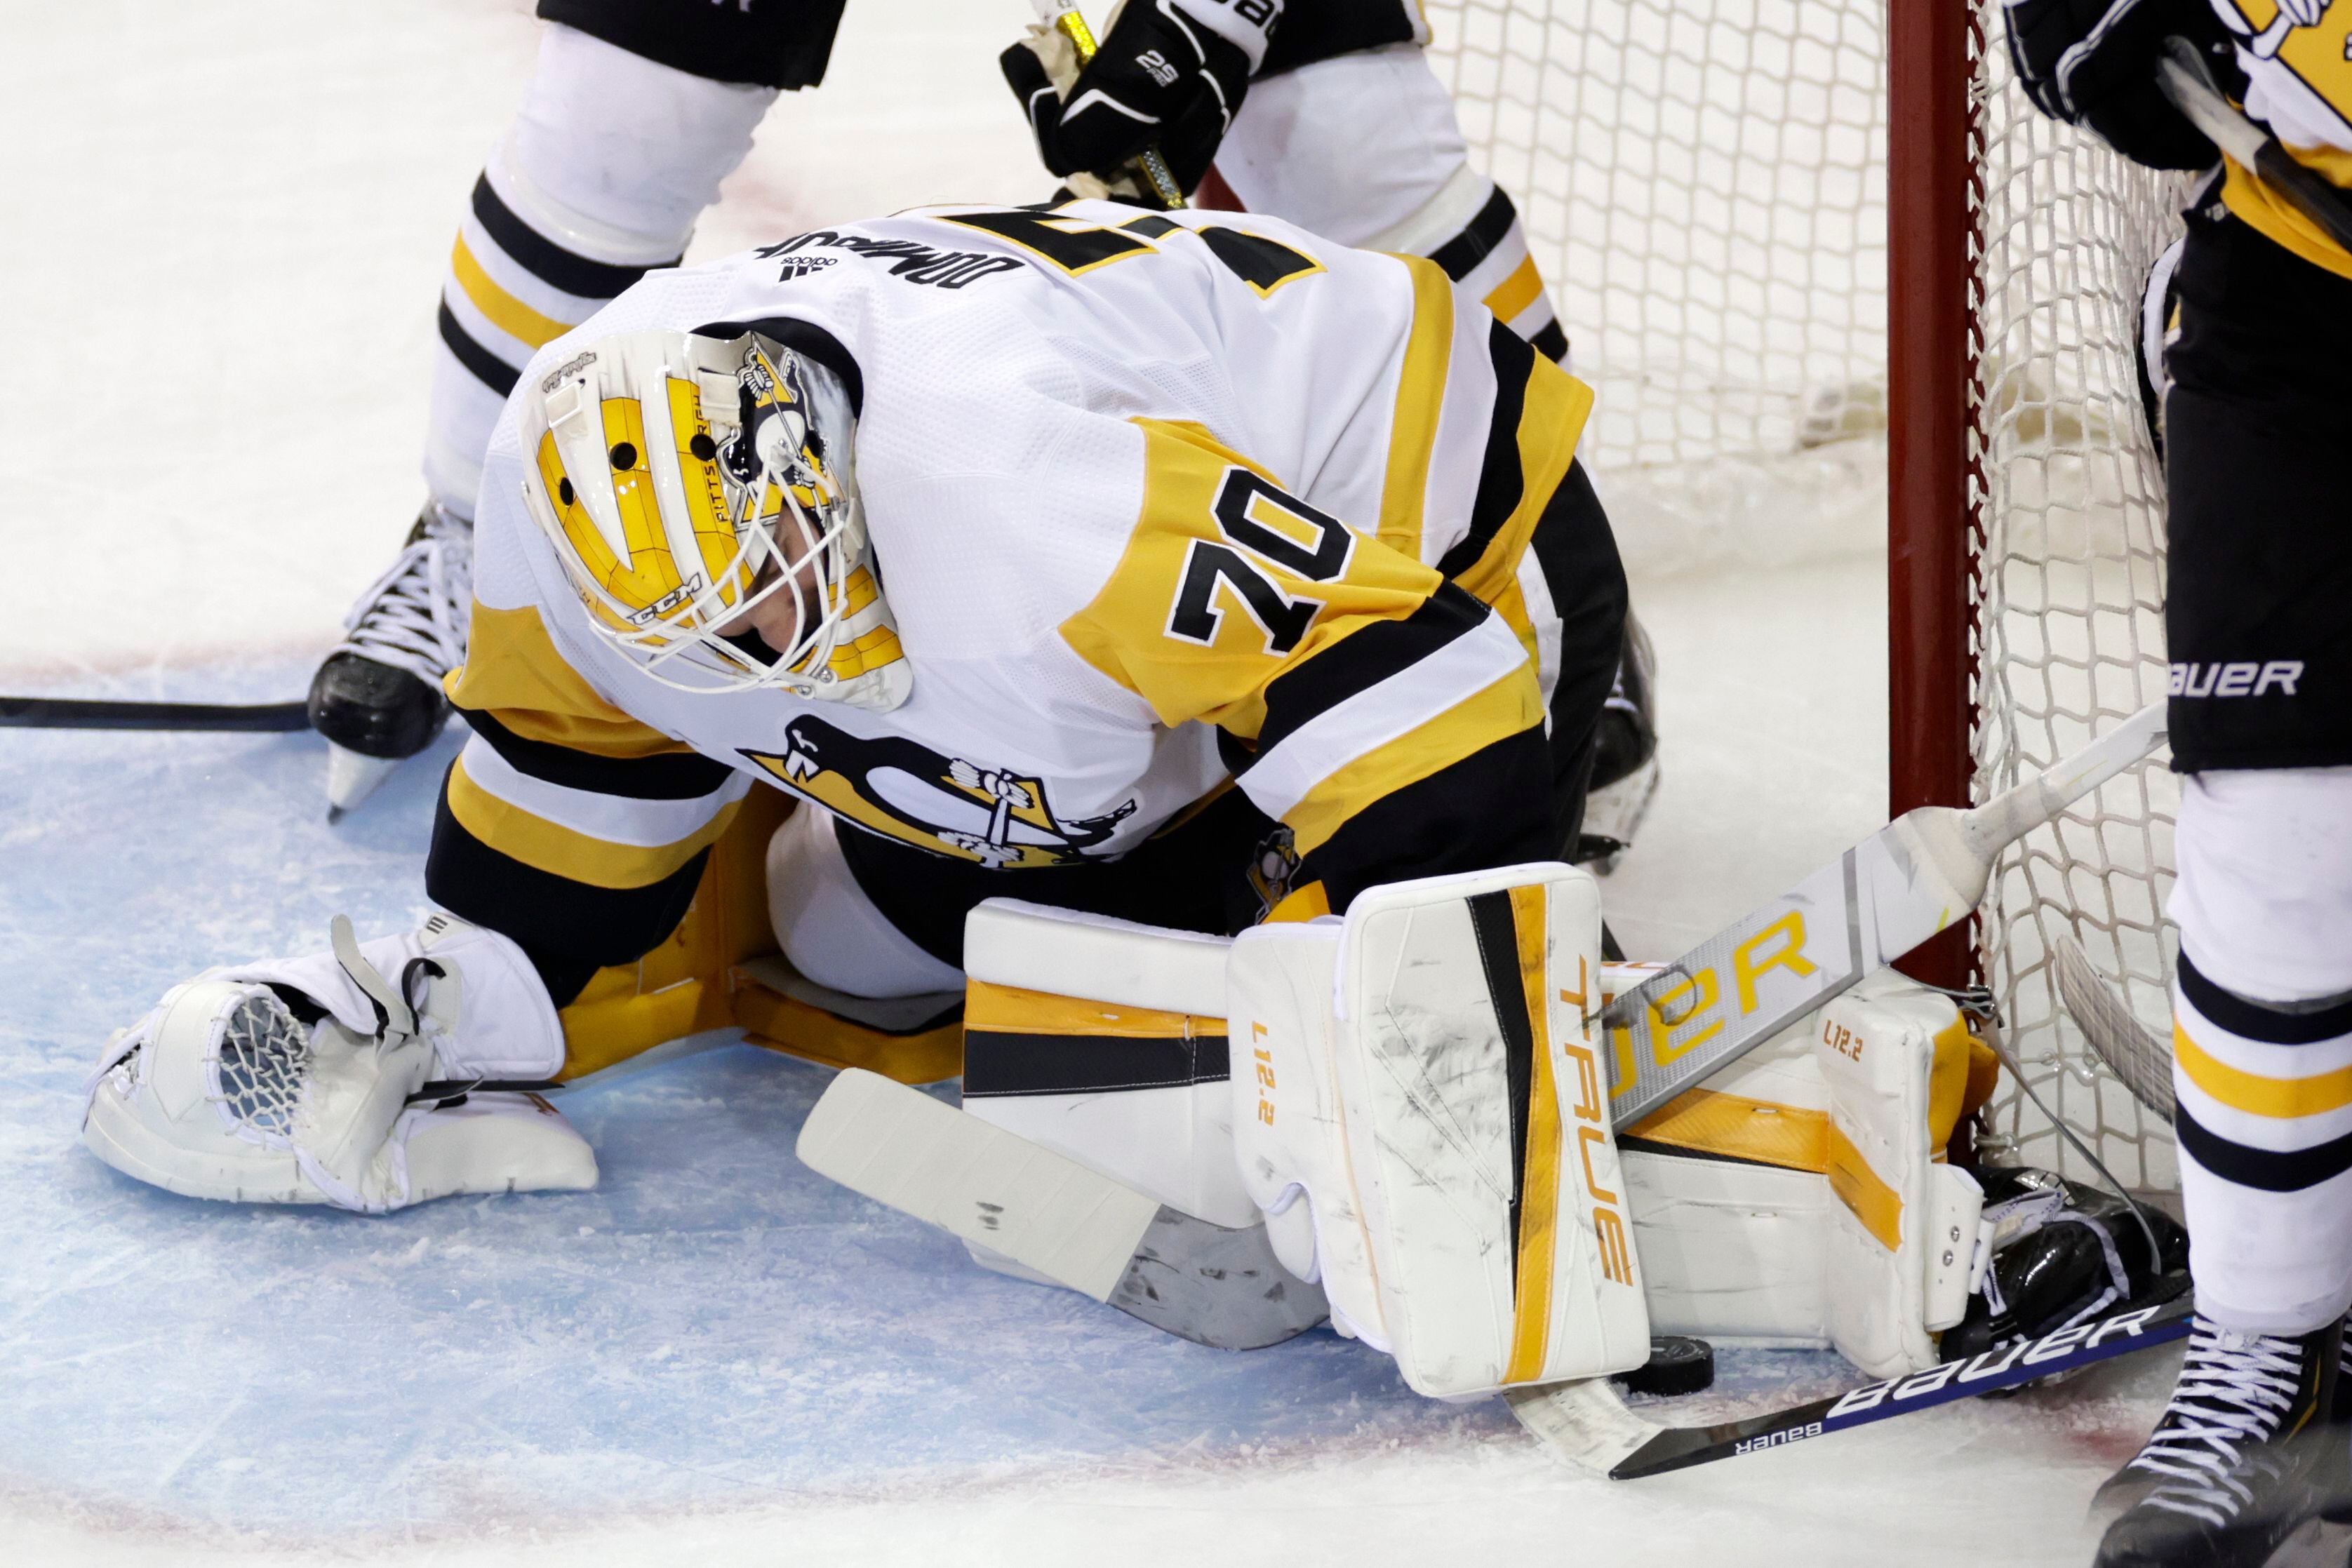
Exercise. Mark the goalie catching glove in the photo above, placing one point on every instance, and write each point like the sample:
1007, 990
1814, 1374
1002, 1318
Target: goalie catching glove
1169, 74
2093, 63
343, 1078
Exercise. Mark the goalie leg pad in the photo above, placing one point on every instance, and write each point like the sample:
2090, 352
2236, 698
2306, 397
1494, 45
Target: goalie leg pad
1421, 1080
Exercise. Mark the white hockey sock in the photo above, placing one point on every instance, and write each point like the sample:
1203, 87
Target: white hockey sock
2262, 1044
609, 162
1364, 148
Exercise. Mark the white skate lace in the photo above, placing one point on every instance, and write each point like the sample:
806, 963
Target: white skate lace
2235, 1391
416, 616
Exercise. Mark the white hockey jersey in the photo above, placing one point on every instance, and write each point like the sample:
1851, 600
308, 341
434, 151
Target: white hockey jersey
1132, 480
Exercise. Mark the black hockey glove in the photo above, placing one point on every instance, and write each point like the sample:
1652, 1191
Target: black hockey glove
1166, 74
2091, 63
2063, 1252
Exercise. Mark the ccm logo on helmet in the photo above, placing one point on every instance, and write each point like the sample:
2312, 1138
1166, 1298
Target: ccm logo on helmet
2242, 680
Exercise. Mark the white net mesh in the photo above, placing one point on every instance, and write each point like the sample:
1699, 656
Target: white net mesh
1704, 186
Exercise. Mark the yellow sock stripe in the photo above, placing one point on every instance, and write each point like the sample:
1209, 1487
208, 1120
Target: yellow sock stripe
1421, 395
504, 311
1540, 1197
1504, 708
1516, 292
563, 852
990, 1008
1858, 1187
1706, 1121
2256, 1093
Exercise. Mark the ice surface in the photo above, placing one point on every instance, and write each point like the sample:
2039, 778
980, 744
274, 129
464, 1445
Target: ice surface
225, 228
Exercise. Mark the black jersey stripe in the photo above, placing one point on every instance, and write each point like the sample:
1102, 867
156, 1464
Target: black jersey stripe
1478, 238
666, 776
1552, 342
569, 929
1501, 480
1002, 1063
2265, 1170
546, 260
480, 364
1492, 808
2250, 1019
1362, 660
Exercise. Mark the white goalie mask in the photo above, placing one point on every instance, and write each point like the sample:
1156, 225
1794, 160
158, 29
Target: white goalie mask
684, 481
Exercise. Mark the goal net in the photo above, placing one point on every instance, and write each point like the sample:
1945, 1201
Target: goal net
1704, 183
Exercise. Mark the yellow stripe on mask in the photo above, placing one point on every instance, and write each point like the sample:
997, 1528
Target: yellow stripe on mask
2256, 1093
1540, 1195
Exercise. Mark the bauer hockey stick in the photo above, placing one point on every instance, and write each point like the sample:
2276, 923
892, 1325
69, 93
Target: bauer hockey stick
1101, 1237
2182, 76
1587, 1425
83, 713
1920, 873
1063, 17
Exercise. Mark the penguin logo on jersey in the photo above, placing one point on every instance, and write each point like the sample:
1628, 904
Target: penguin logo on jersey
905, 790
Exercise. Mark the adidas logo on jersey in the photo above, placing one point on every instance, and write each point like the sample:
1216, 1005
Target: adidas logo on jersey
795, 267
2247, 679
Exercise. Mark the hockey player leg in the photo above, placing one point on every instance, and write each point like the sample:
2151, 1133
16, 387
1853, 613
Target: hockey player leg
1423, 1118
344, 1078
610, 160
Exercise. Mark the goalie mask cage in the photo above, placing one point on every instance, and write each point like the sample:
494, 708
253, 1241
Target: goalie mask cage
1800, 243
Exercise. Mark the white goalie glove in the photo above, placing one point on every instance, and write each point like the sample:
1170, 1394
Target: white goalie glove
349, 1078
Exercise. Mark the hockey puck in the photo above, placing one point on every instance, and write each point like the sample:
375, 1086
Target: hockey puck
1677, 1365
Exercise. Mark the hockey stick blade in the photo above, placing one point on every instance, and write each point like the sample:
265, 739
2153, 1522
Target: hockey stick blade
81, 712
1588, 1426
2141, 1062
2182, 76
1920, 873
1200, 1281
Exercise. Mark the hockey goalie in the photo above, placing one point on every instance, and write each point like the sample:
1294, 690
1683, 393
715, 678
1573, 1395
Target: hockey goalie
1179, 642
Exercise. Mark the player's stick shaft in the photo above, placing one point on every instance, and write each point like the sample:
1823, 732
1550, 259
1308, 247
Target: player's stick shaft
2181, 75
1064, 15
81, 713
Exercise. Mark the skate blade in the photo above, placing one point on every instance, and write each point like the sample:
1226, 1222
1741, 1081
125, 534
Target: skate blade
351, 779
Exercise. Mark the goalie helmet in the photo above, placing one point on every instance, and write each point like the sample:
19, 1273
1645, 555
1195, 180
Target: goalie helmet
683, 481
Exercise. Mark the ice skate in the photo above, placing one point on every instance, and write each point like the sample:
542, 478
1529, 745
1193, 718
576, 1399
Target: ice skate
377, 697
2239, 1460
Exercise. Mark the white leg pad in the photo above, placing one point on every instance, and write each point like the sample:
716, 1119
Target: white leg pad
1420, 1080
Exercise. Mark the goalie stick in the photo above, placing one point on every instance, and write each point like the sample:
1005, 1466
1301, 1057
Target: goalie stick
1881, 898
2140, 1060
1204, 1282
1587, 1425
83, 713
1064, 16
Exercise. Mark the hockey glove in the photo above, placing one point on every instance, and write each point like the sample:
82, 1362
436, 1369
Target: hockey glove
2091, 63
1170, 73
2061, 1253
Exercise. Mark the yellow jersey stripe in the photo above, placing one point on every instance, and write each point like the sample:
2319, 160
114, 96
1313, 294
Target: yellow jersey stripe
504, 311
560, 851
2256, 1093
1550, 420
1504, 708
513, 670
1539, 1198
1516, 292
1013, 1010
1421, 395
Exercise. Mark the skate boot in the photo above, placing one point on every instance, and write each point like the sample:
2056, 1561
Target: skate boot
1625, 761
377, 698
2241, 1458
